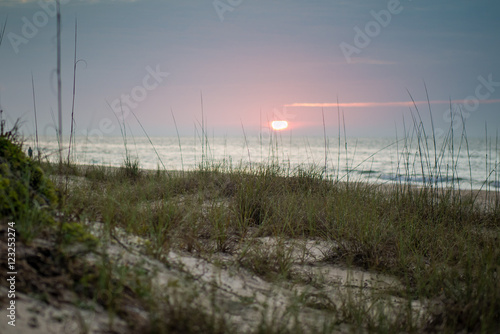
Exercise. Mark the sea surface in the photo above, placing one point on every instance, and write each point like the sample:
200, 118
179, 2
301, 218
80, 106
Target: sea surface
470, 164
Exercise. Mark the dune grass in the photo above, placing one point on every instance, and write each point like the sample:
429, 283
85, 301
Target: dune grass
441, 245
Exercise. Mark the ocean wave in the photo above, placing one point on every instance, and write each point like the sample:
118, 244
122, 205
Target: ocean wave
420, 179
495, 184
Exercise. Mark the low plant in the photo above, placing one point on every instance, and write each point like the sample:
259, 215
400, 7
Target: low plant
27, 196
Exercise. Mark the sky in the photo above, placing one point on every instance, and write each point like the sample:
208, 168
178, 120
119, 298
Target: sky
245, 63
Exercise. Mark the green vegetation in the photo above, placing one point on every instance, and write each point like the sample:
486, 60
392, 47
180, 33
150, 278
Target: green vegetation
26, 194
443, 247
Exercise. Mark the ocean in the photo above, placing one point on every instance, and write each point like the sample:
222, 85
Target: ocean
470, 164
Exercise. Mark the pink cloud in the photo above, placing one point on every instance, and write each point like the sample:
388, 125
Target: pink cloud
384, 104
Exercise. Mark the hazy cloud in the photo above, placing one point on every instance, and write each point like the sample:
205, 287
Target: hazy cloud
370, 61
383, 104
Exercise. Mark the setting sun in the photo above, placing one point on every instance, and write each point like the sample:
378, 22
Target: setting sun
279, 125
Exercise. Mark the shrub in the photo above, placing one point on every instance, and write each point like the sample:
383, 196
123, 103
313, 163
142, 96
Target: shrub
27, 196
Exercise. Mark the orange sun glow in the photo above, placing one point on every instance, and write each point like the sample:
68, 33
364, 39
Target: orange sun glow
279, 125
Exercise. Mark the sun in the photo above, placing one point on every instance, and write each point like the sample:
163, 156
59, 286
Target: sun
279, 125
